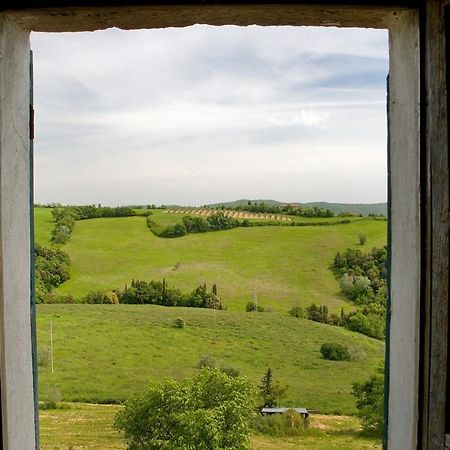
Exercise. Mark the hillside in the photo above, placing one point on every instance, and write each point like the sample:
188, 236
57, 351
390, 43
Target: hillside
286, 265
357, 208
103, 353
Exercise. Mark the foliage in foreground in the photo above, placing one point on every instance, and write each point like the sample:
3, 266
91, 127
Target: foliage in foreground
370, 401
208, 411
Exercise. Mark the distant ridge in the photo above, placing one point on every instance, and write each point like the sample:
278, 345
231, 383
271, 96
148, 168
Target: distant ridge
357, 208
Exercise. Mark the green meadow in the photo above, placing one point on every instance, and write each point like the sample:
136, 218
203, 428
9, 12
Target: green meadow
104, 353
286, 265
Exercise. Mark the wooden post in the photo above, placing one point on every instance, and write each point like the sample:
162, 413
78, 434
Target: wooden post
436, 241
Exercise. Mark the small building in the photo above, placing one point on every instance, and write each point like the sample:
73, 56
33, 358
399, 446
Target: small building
270, 411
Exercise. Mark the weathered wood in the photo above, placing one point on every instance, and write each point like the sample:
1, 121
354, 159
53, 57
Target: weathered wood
436, 142
16, 373
404, 236
157, 16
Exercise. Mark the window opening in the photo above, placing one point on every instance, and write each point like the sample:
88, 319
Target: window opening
225, 165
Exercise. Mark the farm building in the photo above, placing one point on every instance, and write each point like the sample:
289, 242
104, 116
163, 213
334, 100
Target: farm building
271, 411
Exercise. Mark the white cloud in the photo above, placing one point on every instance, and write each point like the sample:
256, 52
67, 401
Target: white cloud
204, 113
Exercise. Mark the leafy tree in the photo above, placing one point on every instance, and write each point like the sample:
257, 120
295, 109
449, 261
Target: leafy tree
362, 237
52, 268
210, 411
317, 313
370, 401
271, 392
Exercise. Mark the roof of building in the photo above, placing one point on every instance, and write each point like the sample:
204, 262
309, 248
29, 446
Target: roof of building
283, 410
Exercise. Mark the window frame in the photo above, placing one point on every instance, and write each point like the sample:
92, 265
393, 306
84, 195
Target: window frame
409, 155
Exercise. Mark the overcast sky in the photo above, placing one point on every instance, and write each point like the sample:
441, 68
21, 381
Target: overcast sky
207, 114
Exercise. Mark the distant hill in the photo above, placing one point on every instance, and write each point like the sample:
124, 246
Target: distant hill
244, 201
358, 208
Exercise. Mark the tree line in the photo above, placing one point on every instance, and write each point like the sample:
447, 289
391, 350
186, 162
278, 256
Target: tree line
363, 280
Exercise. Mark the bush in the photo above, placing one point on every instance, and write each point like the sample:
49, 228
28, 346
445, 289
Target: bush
334, 352
362, 237
357, 353
317, 313
172, 231
291, 423
297, 311
372, 325
43, 357
370, 401
179, 323
101, 297
230, 371
253, 306
208, 411
206, 361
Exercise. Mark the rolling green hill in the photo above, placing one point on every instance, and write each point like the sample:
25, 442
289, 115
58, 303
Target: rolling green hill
103, 353
286, 265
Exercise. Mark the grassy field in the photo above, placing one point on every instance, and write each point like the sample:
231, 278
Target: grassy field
103, 353
84, 426
43, 225
286, 265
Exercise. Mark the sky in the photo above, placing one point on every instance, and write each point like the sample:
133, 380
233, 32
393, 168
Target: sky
204, 114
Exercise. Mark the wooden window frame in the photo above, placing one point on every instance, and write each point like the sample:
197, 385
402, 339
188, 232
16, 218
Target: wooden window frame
418, 167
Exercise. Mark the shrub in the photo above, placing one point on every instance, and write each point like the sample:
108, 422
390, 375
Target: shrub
43, 357
101, 297
357, 353
334, 352
362, 237
230, 371
291, 423
317, 313
208, 411
53, 395
370, 401
372, 325
297, 311
207, 361
253, 306
179, 323
172, 231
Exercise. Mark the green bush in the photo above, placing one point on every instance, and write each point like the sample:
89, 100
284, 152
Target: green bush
357, 353
101, 297
370, 401
335, 352
206, 361
208, 411
290, 423
253, 306
297, 311
230, 371
179, 322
